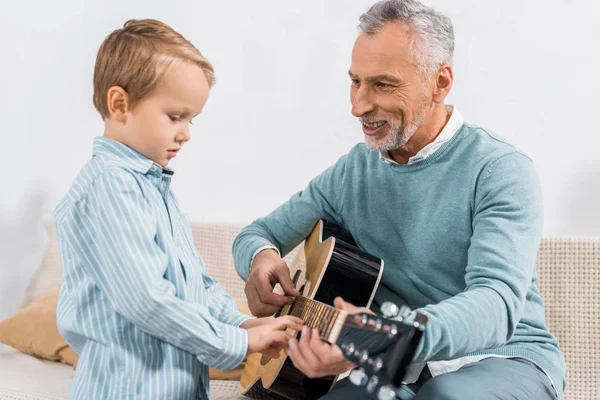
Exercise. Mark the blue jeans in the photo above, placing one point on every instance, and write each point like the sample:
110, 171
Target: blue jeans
490, 378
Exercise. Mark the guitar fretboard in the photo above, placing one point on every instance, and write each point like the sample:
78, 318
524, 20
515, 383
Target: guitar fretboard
327, 319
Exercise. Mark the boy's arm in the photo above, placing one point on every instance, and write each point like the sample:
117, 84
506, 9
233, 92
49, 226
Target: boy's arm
292, 222
114, 235
221, 305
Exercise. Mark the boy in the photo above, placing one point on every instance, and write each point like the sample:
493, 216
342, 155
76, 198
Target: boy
136, 303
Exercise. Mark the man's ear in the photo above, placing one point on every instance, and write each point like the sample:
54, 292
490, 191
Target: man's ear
443, 83
118, 103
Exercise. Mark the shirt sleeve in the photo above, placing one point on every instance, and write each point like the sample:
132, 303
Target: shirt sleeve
221, 305
114, 234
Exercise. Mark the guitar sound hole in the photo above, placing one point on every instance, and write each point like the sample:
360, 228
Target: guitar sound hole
301, 290
265, 359
296, 277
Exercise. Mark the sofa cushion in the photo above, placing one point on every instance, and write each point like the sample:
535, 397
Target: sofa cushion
23, 377
33, 331
48, 276
569, 270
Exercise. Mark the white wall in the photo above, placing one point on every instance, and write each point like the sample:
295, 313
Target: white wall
280, 111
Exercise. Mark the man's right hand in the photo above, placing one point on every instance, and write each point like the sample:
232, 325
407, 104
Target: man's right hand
268, 269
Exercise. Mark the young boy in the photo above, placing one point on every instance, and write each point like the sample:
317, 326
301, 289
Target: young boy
136, 303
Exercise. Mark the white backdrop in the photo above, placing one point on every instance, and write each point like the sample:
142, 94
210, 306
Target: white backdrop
280, 112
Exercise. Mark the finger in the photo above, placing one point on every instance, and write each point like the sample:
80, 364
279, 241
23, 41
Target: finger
350, 308
324, 351
279, 338
292, 322
329, 356
283, 276
257, 307
265, 292
307, 352
298, 358
286, 322
338, 302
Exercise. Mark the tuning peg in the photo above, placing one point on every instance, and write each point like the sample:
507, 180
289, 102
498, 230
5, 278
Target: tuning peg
373, 382
377, 364
404, 311
386, 393
349, 348
390, 329
389, 309
364, 356
358, 377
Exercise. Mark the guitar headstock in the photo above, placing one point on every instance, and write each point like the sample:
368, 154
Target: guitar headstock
382, 348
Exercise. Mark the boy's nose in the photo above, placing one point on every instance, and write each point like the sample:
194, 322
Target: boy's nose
183, 136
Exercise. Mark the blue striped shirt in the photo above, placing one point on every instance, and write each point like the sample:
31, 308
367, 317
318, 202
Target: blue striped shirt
136, 303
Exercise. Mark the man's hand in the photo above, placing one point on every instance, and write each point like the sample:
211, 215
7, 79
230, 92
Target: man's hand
268, 269
316, 358
268, 335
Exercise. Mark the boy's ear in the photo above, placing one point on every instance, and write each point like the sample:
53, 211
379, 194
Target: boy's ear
118, 103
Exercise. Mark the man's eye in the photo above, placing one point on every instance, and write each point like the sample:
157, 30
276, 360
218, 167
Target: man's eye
355, 82
382, 85
174, 118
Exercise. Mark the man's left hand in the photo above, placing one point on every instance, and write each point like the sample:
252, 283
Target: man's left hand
316, 358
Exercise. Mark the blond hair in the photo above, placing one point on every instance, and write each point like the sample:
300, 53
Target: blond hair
137, 56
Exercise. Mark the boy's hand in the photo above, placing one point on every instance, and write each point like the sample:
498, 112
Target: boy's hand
268, 335
254, 322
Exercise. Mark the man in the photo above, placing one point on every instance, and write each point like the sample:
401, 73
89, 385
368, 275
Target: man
454, 211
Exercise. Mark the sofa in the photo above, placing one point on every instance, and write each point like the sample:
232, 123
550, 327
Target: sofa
569, 270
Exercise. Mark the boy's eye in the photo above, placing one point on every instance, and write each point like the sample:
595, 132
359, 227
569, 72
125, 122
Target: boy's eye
174, 118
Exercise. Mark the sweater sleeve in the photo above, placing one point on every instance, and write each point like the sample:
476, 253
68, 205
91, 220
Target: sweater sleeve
507, 227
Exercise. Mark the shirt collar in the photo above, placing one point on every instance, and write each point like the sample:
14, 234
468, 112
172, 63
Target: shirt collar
125, 156
453, 125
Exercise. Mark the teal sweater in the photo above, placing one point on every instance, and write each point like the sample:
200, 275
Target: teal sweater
458, 232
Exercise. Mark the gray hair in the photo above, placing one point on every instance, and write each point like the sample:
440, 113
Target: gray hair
434, 42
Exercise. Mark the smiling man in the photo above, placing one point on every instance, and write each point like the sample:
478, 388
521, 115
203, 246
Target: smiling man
453, 210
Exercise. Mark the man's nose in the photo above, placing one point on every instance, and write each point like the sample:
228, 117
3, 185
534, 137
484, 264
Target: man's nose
362, 102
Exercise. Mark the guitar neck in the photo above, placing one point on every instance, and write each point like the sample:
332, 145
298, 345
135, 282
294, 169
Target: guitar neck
327, 319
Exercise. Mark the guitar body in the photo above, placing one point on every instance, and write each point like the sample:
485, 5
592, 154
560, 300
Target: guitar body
330, 266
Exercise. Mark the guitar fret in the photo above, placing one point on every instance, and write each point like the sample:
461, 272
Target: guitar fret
317, 315
315, 321
309, 314
332, 318
323, 321
321, 318
327, 319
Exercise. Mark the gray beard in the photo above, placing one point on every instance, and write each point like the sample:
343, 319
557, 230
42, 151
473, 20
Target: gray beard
398, 135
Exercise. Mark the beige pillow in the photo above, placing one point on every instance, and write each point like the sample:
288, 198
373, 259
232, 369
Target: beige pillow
33, 331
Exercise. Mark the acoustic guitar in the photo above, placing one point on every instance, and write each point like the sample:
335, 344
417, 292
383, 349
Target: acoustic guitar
332, 265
